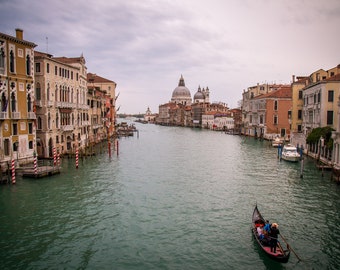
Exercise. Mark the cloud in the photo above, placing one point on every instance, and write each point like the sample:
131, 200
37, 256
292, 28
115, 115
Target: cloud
145, 46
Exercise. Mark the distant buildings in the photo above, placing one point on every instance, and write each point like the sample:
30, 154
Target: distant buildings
199, 112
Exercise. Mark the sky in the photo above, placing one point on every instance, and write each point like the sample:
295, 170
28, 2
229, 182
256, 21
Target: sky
145, 46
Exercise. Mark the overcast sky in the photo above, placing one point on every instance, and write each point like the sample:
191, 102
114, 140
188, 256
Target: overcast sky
146, 45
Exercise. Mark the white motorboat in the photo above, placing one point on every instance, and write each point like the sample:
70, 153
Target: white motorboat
290, 153
277, 141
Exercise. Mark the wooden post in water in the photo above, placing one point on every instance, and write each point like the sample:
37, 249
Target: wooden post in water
301, 168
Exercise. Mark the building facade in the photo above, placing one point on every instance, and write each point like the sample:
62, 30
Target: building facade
17, 117
61, 104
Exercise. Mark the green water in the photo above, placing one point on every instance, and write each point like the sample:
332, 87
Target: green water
174, 198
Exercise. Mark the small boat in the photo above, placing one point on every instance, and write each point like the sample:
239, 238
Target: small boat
281, 255
290, 153
277, 141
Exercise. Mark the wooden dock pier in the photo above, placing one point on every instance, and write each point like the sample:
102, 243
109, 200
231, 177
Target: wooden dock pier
42, 171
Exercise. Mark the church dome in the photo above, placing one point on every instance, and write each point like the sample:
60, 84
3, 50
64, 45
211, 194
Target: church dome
181, 94
199, 95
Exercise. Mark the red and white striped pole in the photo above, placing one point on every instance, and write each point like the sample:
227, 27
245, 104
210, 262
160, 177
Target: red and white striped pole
54, 156
13, 172
77, 158
58, 159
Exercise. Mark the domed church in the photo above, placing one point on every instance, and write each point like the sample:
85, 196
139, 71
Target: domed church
202, 95
181, 94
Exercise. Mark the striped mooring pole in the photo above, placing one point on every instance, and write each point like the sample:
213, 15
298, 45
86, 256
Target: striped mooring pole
13, 171
77, 158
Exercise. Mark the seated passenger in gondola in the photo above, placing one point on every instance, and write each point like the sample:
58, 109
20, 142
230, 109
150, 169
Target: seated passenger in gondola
266, 228
260, 232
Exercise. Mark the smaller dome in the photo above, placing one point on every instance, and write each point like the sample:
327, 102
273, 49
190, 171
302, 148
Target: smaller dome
199, 94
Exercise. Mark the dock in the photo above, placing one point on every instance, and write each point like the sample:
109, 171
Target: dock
42, 171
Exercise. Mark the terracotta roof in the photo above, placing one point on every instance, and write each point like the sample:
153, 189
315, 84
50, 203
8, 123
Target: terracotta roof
94, 78
333, 78
282, 92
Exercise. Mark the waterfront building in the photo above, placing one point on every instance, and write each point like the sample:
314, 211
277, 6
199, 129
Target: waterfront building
101, 100
164, 113
295, 115
17, 117
320, 100
217, 121
248, 105
269, 114
61, 105
149, 117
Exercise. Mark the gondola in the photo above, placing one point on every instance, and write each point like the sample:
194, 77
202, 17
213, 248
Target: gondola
282, 253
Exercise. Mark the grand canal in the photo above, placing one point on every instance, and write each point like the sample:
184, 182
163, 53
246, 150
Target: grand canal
174, 198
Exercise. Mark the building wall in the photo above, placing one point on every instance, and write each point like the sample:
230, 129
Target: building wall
17, 134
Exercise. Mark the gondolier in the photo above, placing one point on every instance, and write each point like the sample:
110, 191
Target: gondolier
274, 232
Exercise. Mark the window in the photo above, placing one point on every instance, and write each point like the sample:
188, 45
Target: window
6, 147
11, 61
329, 118
39, 123
275, 105
56, 70
330, 96
37, 67
38, 92
319, 97
15, 129
299, 114
299, 128
314, 98
57, 139
29, 103
275, 120
15, 146
300, 94
30, 128
28, 65
48, 68
2, 61
30, 144
13, 102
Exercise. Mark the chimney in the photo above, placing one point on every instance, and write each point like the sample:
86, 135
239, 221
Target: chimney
293, 78
19, 33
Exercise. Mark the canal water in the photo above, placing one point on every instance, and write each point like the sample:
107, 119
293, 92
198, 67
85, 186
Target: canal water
174, 198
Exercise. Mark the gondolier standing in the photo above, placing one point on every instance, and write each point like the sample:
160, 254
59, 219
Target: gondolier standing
274, 232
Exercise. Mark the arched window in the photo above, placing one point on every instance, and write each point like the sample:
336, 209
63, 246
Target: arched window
57, 120
13, 102
2, 61
56, 93
48, 92
38, 91
28, 65
11, 61
29, 103
39, 123
49, 121
4, 102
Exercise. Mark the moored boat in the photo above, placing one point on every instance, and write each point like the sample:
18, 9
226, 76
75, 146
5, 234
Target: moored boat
277, 141
282, 253
290, 153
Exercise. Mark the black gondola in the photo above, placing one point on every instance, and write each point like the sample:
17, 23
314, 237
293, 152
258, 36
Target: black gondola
281, 254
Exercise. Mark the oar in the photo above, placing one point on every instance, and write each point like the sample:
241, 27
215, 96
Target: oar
290, 248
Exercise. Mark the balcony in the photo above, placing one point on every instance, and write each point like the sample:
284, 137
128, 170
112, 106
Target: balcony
3, 115
31, 115
50, 103
16, 115
67, 127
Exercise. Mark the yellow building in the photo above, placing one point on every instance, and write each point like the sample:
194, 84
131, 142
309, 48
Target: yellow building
17, 116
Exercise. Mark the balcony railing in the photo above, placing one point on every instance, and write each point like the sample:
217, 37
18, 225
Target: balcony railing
67, 127
3, 115
31, 115
16, 115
